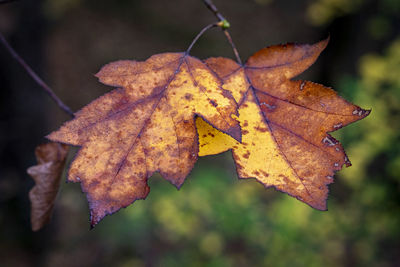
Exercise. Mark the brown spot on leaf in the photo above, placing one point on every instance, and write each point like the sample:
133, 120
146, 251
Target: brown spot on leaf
261, 129
246, 155
188, 97
239, 166
212, 102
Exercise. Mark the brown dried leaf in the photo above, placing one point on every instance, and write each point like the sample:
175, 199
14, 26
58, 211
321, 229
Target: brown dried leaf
146, 125
47, 175
285, 123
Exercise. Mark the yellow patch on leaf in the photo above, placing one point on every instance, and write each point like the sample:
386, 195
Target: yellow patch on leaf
285, 123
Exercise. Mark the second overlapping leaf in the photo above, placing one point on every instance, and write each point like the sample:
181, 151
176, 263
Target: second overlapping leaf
285, 123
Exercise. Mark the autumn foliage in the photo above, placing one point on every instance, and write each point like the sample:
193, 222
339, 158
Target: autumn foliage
148, 124
172, 108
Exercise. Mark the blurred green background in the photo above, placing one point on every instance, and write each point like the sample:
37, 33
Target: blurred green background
214, 220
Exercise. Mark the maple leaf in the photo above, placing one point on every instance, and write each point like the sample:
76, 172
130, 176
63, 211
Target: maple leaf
285, 123
146, 125
47, 174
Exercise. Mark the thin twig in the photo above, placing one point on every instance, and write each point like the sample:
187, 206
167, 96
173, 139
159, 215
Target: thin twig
210, 5
37, 79
199, 35
228, 36
214, 9
6, 1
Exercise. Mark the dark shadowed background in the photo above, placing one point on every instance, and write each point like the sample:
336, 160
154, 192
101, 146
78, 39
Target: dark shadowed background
214, 220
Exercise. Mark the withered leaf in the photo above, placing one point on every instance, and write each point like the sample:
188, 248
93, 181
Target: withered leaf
47, 175
144, 126
285, 123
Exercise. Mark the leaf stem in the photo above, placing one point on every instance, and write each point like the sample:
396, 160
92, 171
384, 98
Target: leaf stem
35, 77
199, 35
235, 51
210, 5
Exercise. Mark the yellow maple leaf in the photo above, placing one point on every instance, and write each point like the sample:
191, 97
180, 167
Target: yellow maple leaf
145, 126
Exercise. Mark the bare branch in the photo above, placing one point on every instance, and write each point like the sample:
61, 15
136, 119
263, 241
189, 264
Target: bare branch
37, 79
